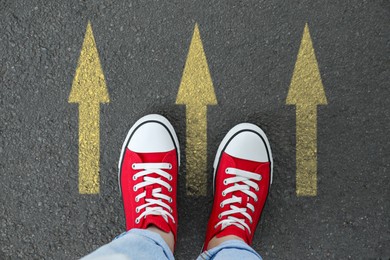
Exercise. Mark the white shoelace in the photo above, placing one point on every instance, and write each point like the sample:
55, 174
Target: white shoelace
246, 178
155, 205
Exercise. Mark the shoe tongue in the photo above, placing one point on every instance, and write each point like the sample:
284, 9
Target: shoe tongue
233, 229
250, 166
155, 158
245, 165
156, 220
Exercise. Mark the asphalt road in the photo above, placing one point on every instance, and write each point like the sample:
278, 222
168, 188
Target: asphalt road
251, 49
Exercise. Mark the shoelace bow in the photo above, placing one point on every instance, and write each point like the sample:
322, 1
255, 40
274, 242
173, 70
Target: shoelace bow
247, 182
154, 205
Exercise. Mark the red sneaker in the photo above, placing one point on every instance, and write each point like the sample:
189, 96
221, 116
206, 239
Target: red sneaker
148, 172
242, 178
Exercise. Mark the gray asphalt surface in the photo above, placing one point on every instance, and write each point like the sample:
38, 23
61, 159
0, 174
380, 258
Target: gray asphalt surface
251, 47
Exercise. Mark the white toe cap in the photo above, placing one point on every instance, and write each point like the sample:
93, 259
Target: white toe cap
151, 137
248, 145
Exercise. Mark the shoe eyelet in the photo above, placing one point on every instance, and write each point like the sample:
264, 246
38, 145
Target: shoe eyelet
134, 188
170, 166
257, 189
227, 170
134, 178
137, 209
170, 210
170, 200
170, 178
170, 189
256, 199
136, 199
221, 205
225, 182
133, 166
223, 194
219, 216
136, 221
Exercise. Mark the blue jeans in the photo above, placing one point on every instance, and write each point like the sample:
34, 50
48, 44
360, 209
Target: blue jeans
145, 244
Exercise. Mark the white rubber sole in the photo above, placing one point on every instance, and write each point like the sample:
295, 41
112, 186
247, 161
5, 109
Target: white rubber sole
234, 131
142, 120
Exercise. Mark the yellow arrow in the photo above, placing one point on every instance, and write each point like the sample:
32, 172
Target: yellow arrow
196, 91
306, 92
89, 90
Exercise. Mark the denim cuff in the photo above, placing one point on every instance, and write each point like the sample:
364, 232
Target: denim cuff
231, 244
156, 238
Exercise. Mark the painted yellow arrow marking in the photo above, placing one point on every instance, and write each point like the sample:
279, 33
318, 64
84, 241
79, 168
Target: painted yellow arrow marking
89, 90
306, 92
196, 91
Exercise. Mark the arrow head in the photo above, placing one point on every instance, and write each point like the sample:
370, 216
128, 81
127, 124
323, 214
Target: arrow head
306, 85
89, 84
196, 87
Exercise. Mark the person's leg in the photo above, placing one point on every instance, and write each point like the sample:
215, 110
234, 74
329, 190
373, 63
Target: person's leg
242, 178
148, 174
134, 244
231, 249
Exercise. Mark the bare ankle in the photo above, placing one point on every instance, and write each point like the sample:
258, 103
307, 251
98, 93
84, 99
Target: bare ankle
168, 237
216, 241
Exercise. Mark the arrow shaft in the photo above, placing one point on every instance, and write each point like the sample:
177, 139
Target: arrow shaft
89, 147
306, 150
196, 150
